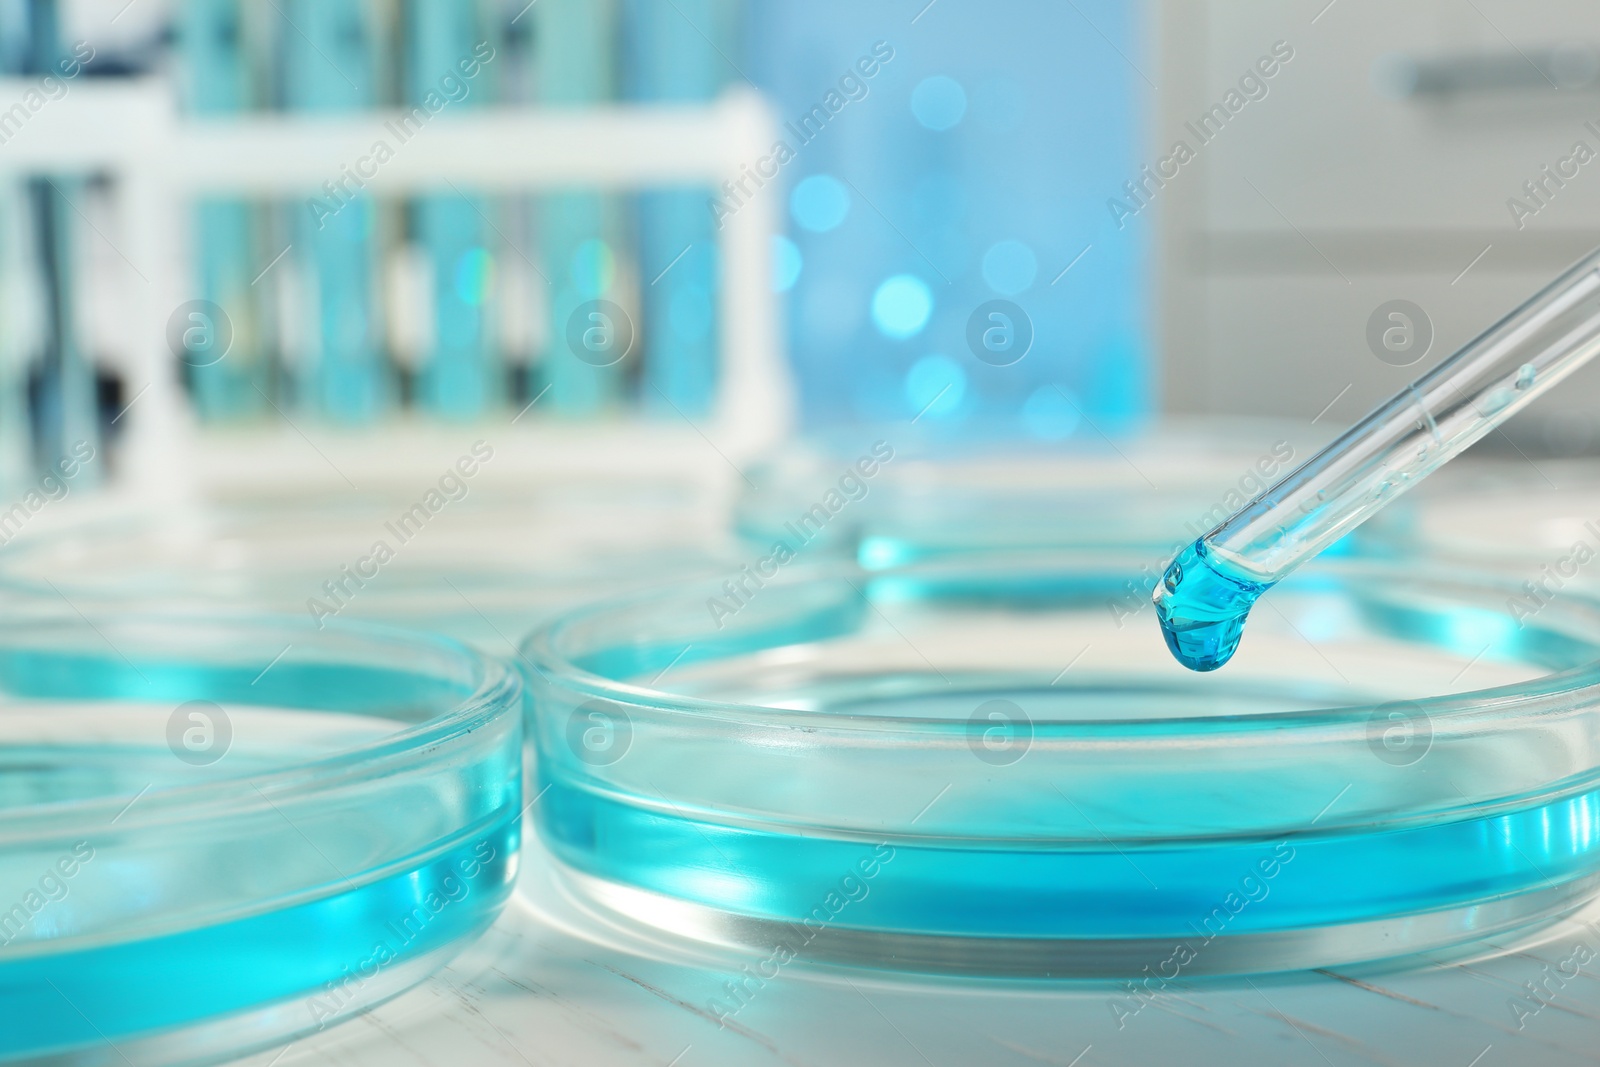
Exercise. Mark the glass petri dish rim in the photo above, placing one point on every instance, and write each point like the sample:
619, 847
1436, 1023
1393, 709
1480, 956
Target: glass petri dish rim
185, 874
495, 693
624, 845
541, 651
23, 562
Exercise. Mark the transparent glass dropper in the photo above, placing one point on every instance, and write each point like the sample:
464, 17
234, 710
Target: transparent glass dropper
1207, 591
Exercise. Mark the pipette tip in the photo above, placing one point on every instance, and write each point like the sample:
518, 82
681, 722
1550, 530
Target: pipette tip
1202, 608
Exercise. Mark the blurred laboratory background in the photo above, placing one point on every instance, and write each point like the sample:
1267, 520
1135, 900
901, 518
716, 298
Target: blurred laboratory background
921, 169
306, 251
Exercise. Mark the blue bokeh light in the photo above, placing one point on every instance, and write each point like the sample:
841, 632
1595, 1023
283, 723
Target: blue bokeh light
819, 203
935, 386
1048, 415
901, 306
938, 102
1009, 267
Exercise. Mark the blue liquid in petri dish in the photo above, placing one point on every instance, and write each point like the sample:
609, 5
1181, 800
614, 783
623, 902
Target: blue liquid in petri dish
323, 951
1202, 603
1156, 890
215, 917
1221, 833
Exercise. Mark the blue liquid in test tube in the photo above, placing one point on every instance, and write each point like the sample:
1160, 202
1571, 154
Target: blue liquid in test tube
329, 67
460, 378
573, 41
216, 75
672, 55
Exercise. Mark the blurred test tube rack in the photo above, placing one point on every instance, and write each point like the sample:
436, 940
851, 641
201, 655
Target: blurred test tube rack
158, 163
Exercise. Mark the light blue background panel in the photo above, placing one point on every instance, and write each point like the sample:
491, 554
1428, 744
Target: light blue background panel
974, 165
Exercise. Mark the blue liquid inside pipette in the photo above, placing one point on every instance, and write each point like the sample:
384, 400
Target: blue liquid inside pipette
1202, 604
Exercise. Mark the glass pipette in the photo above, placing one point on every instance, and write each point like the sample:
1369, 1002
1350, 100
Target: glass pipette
1207, 591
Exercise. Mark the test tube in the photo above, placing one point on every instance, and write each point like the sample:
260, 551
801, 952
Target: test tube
1209, 588
460, 377
216, 62
331, 63
670, 57
574, 66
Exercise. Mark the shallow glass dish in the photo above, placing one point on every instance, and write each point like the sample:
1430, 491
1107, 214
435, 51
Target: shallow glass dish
1539, 523
483, 580
216, 833
992, 766
888, 499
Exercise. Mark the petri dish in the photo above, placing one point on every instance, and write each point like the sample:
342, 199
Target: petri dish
887, 500
1535, 522
483, 577
986, 766
218, 832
